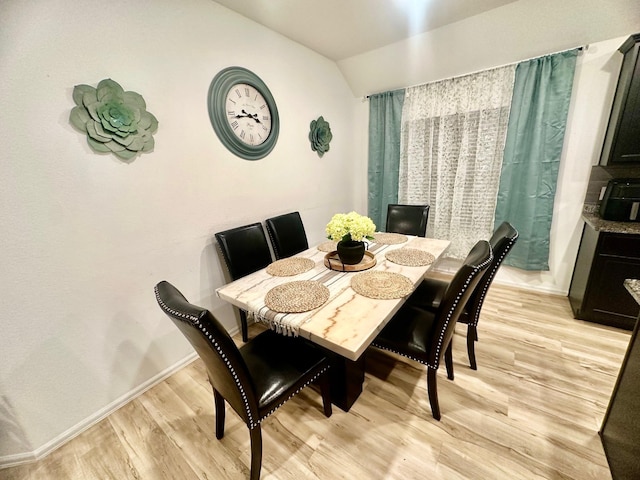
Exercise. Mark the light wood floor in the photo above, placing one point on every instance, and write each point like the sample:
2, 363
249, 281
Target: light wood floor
531, 411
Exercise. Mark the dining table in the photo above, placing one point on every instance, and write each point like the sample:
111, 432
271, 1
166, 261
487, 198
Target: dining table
339, 307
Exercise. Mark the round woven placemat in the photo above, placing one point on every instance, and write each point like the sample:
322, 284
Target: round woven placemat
297, 296
329, 246
411, 257
381, 285
287, 267
389, 238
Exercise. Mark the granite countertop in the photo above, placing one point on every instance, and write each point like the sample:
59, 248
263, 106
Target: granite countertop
633, 286
592, 218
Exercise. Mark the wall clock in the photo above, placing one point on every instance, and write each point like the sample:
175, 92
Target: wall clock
243, 113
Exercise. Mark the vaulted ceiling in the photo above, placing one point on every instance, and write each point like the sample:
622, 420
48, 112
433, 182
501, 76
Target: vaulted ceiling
381, 45
339, 29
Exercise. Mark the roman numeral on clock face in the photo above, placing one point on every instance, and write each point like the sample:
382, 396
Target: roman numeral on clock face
243, 113
248, 114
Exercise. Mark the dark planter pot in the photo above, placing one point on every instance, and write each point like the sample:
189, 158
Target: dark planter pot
350, 252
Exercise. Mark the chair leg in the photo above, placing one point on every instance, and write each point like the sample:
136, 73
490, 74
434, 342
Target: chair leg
448, 360
325, 390
219, 402
432, 387
256, 452
472, 338
243, 325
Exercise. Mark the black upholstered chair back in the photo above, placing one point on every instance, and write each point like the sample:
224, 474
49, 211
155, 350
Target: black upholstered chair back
287, 234
407, 219
456, 296
245, 249
425, 335
226, 369
255, 379
502, 240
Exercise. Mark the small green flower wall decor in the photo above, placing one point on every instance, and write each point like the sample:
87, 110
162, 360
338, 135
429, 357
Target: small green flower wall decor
320, 135
114, 120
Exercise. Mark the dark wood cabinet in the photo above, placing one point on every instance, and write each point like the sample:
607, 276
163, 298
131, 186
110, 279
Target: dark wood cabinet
620, 432
622, 139
597, 292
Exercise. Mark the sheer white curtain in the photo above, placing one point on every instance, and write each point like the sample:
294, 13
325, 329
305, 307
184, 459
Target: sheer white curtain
452, 141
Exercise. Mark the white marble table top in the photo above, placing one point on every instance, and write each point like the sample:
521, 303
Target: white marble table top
347, 323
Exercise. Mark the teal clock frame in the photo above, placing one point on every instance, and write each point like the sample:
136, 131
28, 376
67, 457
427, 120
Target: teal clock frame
218, 90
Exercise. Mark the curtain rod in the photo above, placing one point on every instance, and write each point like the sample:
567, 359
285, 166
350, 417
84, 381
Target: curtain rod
580, 49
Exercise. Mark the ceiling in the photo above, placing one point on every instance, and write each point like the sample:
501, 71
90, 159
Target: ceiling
340, 29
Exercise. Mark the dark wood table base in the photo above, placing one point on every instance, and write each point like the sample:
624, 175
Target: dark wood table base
347, 378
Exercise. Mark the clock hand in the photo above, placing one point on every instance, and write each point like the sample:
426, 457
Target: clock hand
245, 115
253, 116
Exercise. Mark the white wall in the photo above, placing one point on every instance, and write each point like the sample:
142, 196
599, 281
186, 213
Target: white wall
508, 34
85, 237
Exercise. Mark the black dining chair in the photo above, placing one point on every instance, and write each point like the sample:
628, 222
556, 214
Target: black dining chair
255, 379
407, 219
430, 292
245, 250
425, 335
287, 234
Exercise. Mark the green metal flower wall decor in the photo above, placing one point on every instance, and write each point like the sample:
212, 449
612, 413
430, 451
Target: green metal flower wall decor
320, 135
114, 120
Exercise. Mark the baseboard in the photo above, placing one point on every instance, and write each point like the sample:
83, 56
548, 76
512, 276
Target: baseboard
17, 459
448, 267
28, 457
532, 288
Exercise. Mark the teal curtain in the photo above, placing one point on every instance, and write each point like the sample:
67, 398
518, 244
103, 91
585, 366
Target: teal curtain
385, 116
535, 136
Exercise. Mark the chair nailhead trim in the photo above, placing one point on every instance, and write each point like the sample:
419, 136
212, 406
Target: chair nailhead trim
441, 338
492, 273
293, 394
224, 257
455, 303
196, 321
404, 355
252, 424
273, 243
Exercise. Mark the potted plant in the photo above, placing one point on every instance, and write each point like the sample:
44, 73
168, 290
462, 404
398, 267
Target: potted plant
350, 230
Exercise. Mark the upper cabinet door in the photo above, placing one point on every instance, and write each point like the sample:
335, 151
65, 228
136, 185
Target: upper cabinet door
622, 140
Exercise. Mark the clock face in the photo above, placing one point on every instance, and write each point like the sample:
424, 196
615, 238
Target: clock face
248, 114
243, 113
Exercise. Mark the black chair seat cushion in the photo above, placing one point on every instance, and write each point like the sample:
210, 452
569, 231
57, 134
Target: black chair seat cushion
410, 332
429, 294
277, 364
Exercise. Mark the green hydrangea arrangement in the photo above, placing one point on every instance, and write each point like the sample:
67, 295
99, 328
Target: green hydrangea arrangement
114, 120
350, 227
